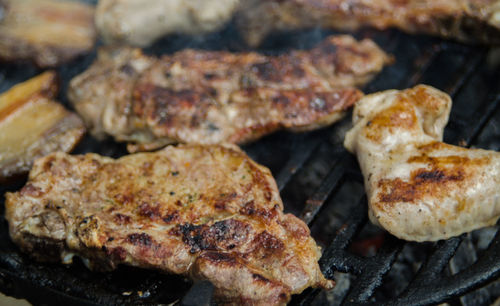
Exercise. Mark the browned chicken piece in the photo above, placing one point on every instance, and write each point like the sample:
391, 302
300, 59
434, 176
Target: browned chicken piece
131, 22
463, 20
212, 97
46, 32
418, 187
33, 125
207, 212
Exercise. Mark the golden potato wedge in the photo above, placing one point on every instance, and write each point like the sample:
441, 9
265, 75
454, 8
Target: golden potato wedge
33, 125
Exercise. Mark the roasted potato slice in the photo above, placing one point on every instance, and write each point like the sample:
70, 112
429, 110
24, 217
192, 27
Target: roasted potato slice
47, 32
33, 125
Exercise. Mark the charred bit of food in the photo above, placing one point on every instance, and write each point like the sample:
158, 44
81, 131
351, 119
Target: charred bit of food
463, 20
33, 125
46, 32
418, 187
130, 22
212, 97
207, 212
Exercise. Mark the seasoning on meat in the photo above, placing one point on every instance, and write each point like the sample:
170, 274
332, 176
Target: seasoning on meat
212, 97
33, 125
463, 20
46, 32
207, 212
418, 187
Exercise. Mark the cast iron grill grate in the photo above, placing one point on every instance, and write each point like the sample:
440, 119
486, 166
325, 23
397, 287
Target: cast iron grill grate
320, 182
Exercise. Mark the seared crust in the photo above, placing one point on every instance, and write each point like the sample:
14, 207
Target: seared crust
418, 187
208, 212
194, 118
47, 32
463, 20
208, 97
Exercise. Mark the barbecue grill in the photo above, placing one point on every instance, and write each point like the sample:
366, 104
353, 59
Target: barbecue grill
320, 182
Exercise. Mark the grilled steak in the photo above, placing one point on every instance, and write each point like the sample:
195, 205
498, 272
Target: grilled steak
210, 97
133, 23
208, 212
418, 187
464, 20
47, 32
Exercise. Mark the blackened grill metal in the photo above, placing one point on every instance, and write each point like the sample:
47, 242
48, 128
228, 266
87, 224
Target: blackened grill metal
313, 171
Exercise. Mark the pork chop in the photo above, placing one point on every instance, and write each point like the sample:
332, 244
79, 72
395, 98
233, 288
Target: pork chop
207, 212
463, 20
209, 97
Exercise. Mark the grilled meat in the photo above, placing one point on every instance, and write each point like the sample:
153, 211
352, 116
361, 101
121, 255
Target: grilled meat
47, 32
210, 97
463, 20
208, 212
131, 22
418, 187
33, 125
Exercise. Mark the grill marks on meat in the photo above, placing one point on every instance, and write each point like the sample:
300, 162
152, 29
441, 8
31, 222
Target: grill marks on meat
221, 236
189, 117
418, 187
208, 212
46, 32
463, 20
212, 97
